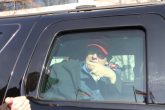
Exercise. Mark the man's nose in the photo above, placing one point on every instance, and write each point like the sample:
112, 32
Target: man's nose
95, 55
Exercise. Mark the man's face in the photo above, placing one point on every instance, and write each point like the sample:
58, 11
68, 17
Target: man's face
95, 58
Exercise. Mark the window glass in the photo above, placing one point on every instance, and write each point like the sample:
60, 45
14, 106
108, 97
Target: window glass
96, 66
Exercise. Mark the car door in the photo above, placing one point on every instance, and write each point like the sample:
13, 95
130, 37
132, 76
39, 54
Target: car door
132, 39
14, 32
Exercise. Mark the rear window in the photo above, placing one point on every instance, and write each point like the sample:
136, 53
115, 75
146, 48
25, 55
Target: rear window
107, 65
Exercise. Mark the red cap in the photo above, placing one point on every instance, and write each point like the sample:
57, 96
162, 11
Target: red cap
101, 48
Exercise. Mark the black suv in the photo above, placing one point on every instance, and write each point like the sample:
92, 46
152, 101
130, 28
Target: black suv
33, 48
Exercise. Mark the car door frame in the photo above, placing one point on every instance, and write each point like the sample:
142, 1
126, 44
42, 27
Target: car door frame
151, 23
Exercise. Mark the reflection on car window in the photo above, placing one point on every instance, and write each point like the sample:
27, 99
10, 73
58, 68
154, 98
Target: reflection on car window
96, 66
1, 35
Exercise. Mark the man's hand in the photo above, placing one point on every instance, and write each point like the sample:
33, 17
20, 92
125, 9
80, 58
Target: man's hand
18, 103
102, 71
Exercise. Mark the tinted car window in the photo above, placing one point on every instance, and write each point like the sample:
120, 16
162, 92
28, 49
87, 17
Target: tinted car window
106, 65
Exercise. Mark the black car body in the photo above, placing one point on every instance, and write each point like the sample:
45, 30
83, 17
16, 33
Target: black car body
27, 42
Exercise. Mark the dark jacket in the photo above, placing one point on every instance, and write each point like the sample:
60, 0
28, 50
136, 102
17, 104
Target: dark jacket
73, 83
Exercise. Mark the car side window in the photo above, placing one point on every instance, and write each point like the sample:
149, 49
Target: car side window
107, 65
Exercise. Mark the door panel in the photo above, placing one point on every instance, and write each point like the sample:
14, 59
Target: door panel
151, 25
